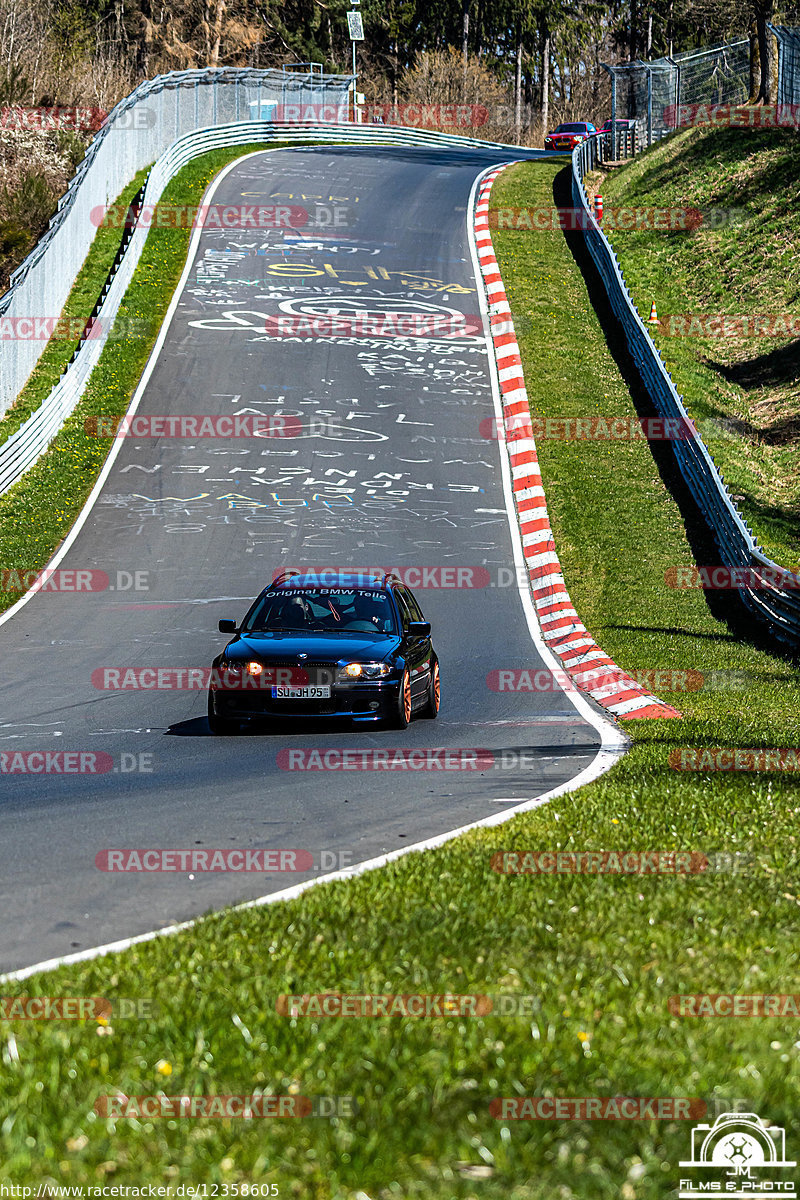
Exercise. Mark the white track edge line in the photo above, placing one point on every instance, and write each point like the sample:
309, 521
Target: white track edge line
91, 499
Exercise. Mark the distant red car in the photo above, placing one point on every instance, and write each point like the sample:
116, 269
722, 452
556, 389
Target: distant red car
567, 137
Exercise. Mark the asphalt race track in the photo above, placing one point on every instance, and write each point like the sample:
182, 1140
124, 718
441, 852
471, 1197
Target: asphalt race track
389, 468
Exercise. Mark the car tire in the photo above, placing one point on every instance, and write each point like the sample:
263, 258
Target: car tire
217, 724
401, 718
431, 709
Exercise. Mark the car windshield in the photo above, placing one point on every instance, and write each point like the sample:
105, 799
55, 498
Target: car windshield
322, 610
571, 129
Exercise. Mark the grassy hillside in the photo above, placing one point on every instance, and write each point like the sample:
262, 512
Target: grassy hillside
746, 265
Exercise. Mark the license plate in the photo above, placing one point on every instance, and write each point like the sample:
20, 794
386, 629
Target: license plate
320, 692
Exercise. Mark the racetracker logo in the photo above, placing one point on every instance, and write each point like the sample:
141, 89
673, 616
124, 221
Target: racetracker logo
71, 329
418, 578
517, 759
385, 760
668, 220
600, 862
73, 762
71, 582
208, 216
41, 329
382, 325
736, 116
620, 862
720, 579
419, 116
588, 429
355, 1004
653, 680
148, 861
53, 1008
235, 677
43, 120
717, 1004
248, 1107
194, 426
596, 1108
727, 325
690, 758
351, 1004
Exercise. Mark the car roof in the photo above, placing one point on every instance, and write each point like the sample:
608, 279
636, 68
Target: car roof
332, 577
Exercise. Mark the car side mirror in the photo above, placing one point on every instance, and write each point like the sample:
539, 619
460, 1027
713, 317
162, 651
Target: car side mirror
418, 629
227, 627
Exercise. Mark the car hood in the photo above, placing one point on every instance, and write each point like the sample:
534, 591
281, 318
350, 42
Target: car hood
320, 647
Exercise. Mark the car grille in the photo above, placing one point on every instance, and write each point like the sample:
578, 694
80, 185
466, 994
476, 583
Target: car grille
317, 672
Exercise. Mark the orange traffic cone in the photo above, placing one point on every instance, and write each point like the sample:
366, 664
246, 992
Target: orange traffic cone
598, 209
653, 320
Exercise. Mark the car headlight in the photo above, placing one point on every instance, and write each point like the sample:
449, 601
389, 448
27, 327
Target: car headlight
363, 670
234, 668
254, 668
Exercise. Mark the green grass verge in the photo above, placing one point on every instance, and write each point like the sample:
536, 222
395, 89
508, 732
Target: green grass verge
76, 312
749, 264
601, 955
37, 513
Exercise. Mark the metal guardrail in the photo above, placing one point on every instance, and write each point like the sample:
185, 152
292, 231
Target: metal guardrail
139, 129
628, 138
775, 604
24, 447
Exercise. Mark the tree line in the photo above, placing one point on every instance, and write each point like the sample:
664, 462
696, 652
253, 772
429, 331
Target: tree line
544, 56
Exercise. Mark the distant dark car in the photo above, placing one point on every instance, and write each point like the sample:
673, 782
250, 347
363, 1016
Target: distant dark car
567, 136
330, 645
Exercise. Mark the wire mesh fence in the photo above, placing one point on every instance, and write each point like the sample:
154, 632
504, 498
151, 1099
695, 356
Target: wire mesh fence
653, 93
788, 64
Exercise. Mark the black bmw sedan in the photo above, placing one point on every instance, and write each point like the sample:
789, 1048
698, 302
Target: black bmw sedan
331, 645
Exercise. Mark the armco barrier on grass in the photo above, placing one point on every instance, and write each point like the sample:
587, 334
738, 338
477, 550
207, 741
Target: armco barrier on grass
776, 607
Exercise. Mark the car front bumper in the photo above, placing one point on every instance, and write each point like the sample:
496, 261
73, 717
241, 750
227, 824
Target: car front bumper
372, 701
